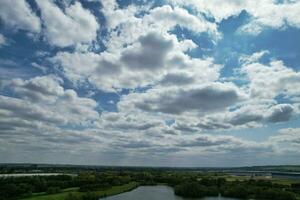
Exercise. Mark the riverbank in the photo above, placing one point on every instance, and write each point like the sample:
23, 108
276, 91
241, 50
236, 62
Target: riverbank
115, 190
103, 193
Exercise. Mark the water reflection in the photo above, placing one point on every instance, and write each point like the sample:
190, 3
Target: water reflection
156, 193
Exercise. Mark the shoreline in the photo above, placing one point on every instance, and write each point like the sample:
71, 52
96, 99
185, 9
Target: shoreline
114, 190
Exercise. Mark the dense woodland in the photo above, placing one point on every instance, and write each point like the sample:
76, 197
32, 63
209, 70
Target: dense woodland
187, 184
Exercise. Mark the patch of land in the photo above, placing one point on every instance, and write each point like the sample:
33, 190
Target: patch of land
102, 193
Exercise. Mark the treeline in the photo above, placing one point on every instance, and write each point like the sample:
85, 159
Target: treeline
16, 187
20, 187
186, 184
251, 189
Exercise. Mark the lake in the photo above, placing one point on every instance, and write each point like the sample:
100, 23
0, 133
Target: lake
155, 193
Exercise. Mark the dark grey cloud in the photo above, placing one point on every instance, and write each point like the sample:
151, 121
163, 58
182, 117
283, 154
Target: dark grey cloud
184, 127
208, 141
176, 79
244, 118
150, 55
75, 139
212, 125
13, 124
207, 98
108, 67
280, 113
136, 145
141, 126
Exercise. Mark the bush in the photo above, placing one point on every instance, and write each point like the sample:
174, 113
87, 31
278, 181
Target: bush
73, 196
53, 190
90, 196
194, 189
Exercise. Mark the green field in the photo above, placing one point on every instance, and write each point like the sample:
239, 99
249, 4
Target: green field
61, 196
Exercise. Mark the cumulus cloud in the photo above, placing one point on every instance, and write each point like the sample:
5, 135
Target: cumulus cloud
149, 91
43, 100
126, 25
43, 88
135, 65
140, 50
170, 17
177, 78
260, 113
286, 140
17, 14
205, 98
270, 80
74, 26
123, 122
248, 114
269, 13
280, 113
272, 15
221, 144
208, 140
152, 46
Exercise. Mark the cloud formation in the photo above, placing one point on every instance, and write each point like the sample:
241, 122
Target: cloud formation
206, 98
176, 82
263, 14
18, 15
74, 25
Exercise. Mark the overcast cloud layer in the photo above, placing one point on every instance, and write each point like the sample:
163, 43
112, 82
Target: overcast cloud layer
152, 83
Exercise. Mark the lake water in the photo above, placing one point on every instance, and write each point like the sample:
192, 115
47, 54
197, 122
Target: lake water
155, 193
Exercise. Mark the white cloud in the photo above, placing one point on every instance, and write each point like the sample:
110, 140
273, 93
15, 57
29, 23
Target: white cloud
42, 89
169, 17
255, 57
134, 66
174, 102
2, 40
44, 100
220, 10
270, 80
221, 144
17, 14
267, 13
286, 141
272, 15
74, 26
128, 24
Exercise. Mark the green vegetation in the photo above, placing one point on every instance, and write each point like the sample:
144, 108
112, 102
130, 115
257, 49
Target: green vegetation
279, 168
250, 189
89, 195
194, 189
91, 184
59, 186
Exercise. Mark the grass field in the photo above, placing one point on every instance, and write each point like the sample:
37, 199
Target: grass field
274, 180
61, 196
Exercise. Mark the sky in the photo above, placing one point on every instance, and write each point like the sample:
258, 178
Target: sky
199, 83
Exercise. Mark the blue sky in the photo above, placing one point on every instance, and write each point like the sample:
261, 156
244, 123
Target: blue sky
160, 83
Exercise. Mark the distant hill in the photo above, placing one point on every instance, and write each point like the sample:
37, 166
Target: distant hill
279, 168
59, 167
